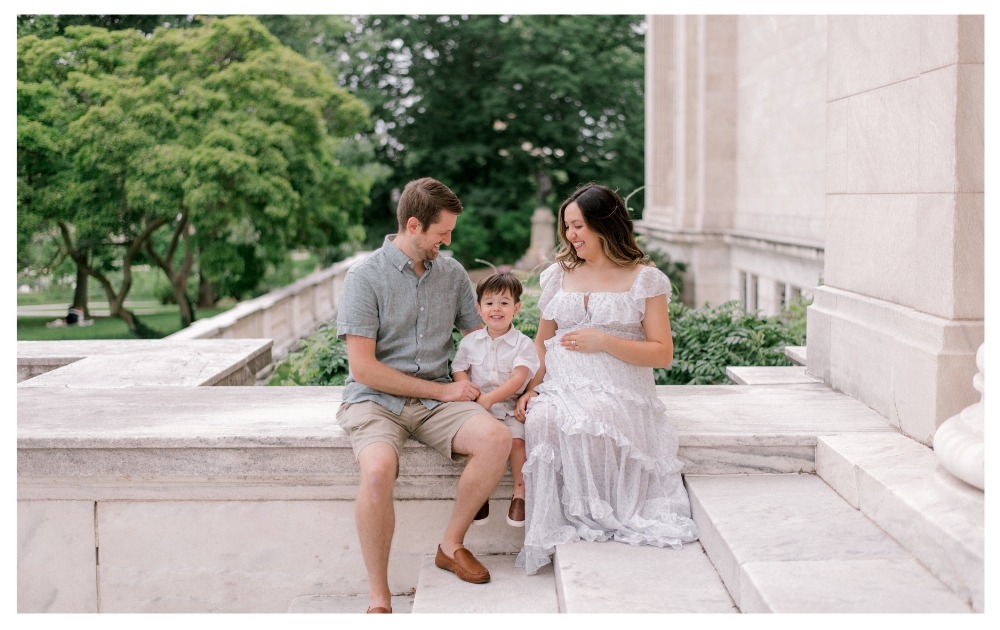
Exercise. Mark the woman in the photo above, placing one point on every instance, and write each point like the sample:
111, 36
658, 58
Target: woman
602, 458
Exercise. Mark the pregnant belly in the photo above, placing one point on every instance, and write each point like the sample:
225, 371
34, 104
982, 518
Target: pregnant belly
566, 367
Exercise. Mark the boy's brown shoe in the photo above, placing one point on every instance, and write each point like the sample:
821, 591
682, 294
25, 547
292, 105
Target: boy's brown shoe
483, 515
465, 566
515, 515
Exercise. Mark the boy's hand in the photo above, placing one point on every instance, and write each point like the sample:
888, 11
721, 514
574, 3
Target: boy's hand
522, 404
486, 401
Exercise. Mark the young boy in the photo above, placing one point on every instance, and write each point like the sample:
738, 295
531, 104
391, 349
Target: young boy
501, 360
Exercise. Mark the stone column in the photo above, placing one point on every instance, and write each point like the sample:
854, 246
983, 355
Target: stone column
691, 146
543, 240
899, 320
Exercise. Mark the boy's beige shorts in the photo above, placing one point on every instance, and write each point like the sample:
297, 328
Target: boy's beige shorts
367, 422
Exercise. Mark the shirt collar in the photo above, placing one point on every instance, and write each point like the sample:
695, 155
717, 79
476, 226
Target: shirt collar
396, 257
510, 337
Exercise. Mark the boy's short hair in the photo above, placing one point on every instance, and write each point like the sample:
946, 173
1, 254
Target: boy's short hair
499, 283
425, 199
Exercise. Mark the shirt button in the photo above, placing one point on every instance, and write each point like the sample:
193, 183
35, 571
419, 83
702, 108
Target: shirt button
421, 308
421, 335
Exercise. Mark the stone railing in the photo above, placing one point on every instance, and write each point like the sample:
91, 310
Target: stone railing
284, 315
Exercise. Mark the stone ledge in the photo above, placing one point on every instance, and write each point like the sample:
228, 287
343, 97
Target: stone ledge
114, 364
899, 484
772, 375
270, 443
796, 354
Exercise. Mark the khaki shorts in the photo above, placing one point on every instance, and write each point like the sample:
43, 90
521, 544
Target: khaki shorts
516, 428
367, 422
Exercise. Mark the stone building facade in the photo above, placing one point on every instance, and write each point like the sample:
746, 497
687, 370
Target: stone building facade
735, 153
836, 156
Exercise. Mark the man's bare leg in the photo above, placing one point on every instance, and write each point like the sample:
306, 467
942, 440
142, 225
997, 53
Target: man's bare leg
376, 518
487, 443
517, 458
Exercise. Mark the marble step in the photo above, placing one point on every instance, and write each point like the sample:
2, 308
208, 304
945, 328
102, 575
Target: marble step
612, 577
349, 604
899, 484
796, 354
509, 590
790, 543
770, 375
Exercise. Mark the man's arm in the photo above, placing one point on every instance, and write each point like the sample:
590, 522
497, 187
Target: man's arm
367, 370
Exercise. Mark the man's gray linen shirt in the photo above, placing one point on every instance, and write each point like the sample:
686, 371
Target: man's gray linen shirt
409, 318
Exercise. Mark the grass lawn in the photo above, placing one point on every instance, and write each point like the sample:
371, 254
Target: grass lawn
33, 328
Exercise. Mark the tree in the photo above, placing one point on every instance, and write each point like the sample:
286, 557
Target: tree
497, 107
214, 145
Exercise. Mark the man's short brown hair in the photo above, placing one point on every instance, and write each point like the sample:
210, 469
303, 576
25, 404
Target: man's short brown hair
424, 199
498, 284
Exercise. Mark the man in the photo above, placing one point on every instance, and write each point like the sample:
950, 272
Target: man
396, 313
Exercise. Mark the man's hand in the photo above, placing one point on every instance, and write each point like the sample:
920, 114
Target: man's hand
460, 390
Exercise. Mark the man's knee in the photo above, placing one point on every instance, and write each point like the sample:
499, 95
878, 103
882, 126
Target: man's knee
499, 438
379, 465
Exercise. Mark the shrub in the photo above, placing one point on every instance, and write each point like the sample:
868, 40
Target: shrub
320, 360
706, 340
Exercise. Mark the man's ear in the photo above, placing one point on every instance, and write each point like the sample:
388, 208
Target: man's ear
413, 225
517, 307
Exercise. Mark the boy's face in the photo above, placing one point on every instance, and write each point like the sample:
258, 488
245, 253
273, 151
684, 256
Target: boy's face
497, 310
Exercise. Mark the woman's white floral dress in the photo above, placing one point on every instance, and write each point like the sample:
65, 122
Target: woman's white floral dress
602, 457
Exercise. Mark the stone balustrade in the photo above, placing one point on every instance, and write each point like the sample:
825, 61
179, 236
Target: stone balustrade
284, 315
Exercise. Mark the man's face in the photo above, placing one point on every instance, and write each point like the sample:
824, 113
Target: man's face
428, 243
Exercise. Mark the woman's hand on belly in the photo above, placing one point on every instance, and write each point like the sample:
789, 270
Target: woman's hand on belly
584, 340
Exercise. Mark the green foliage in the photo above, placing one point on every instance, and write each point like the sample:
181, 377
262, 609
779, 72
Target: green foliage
214, 148
527, 318
706, 340
320, 360
160, 325
488, 103
793, 314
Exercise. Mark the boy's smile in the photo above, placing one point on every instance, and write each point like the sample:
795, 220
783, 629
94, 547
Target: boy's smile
497, 311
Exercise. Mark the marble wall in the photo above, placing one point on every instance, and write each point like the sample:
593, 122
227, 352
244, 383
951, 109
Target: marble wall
735, 151
781, 126
904, 241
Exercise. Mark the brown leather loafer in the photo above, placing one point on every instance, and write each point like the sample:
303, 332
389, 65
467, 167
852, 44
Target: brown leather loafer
515, 515
377, 610
465, 566
483, 515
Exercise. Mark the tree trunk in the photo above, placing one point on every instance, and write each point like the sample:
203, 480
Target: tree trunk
80, 294
206, 295
178, 276
179, 283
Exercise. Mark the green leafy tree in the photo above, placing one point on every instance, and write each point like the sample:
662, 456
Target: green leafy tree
508, 111
214, 147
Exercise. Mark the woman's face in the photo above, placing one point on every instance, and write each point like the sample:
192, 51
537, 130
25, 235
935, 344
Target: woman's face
586, 243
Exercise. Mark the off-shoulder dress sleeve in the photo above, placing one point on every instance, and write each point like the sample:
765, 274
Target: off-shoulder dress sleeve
551, 282
650, 283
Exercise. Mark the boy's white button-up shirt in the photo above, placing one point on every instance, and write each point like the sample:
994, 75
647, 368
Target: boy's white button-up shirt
490, 362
